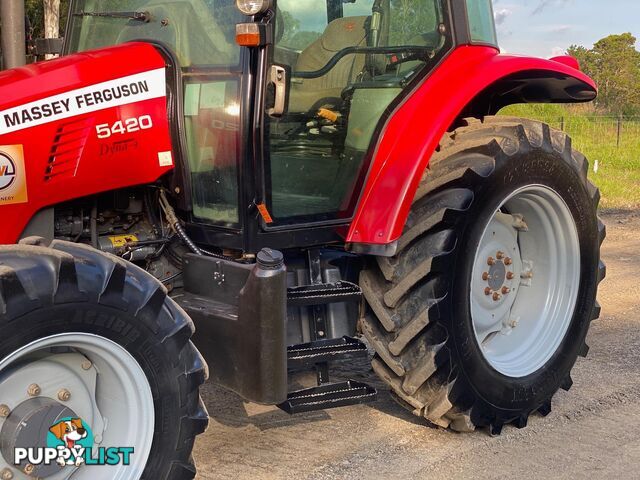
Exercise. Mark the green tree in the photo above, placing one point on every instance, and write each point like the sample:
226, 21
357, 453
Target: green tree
614, 63
411, 18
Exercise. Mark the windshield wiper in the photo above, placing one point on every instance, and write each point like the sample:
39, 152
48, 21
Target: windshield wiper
139, 16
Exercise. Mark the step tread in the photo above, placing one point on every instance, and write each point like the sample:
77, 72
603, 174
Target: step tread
329, 395
323, 294
321, 351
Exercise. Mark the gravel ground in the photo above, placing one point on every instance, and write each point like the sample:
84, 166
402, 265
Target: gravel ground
593, 430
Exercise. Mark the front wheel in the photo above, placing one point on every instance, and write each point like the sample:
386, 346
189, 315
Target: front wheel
480, 317
94, 357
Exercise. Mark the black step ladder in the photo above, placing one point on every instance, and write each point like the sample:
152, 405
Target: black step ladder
319, 353
326, 395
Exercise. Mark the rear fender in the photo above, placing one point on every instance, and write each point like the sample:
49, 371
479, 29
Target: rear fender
471, 81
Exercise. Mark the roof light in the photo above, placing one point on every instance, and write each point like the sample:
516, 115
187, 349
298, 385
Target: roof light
253, 7
248, 35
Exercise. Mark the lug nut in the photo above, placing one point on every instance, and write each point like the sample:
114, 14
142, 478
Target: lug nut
485, 276
508, 261
29, 469
4, 411
496, 296
491, 261
86, 365
510, 275
500, 255
6, 474
487, 291
64, 395
34, 390
505, 290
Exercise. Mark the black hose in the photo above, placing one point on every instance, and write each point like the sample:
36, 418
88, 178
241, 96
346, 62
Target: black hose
185, 238
174, 221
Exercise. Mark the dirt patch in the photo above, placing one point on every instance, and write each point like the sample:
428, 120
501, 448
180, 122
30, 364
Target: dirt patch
592, 431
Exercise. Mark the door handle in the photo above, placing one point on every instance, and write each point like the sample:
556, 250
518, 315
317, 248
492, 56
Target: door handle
278, 77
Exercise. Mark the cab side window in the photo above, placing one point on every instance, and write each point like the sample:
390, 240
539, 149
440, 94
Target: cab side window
481, 23
350, 60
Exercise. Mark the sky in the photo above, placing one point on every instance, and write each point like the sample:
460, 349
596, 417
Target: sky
543, 28
546, 28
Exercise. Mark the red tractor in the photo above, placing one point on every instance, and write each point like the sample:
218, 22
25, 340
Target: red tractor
291, 175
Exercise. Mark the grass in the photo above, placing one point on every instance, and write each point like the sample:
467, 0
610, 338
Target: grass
596, 136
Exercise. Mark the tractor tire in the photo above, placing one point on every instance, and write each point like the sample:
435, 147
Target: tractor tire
70, 314
479, 318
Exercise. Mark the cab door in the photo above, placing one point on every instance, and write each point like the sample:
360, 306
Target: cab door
350, 63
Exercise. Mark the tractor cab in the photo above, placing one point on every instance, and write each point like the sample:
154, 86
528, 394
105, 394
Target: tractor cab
286, 129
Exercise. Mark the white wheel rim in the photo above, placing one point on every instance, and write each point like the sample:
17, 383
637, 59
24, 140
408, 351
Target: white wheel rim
525, 281
121, 412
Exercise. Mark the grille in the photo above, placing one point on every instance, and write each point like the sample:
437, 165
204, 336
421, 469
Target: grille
67, 149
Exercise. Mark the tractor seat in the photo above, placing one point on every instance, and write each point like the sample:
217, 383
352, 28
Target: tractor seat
341, 33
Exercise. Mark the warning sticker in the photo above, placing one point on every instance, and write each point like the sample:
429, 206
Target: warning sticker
165, 159
119, 241
114, 93
264, 212
13, 177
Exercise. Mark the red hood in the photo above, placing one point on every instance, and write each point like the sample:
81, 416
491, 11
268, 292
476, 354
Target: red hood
44, 79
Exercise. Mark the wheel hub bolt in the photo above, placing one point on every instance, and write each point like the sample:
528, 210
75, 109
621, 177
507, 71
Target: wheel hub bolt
491, 261
510, 275
86, 365
64, 395
500, 255
508, 261
485, 276
29, 469
505, 290
496, 296
6, 474
487, 291
34, 390
4, 411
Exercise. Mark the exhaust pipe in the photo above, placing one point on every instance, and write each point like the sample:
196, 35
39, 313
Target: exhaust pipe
13, 35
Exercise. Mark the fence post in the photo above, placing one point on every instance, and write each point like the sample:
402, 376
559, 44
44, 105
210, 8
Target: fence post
619, 131
562, 123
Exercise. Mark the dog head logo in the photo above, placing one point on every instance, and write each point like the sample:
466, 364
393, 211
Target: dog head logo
69, 431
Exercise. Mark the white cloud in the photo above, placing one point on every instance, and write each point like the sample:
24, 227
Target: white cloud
558, 51
501, 15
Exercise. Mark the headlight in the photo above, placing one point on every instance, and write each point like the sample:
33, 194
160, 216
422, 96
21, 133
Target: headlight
253, 7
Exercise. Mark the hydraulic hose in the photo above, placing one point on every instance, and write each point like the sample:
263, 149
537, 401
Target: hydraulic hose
174, 222
177, 227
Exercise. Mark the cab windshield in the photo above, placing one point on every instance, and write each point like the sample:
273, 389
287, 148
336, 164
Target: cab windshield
200, 32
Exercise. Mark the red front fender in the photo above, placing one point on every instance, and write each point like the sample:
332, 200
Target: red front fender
413, 132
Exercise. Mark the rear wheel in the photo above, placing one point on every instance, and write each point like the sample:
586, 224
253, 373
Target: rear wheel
88, 336
480, 317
